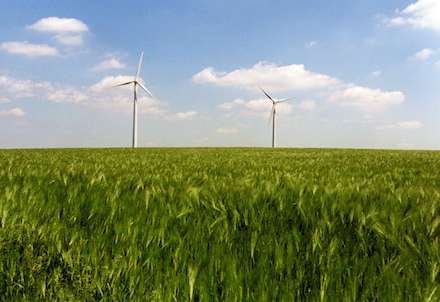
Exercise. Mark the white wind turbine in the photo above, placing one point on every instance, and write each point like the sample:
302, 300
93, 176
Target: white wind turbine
273, 112
136, 82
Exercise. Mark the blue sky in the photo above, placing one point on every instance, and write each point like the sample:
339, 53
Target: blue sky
362, 73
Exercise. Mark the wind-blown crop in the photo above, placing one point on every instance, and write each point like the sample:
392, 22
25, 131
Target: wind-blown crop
219, 225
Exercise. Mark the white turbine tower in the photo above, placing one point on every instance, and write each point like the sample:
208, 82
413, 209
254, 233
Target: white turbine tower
136, 82
273, 112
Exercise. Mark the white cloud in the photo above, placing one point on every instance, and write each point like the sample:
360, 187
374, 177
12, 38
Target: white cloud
270, 76
151, 106
99, 96
110, 63
4, 100
18, 89
262, 106
123, 103
120, 99
14, 112
69, 40
103, 95
66, 95
67, 31
296, 77
109, 81
367, 99
227, 131
28, 49
259, 107
311, 44
423, 14
59, 25
230, 105
376, 73
14, 88
184, 115
424, 54
403, 125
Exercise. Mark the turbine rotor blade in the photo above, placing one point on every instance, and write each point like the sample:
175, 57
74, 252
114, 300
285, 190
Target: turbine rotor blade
284, 100
139, 66
145, 89
266, 94
123, 84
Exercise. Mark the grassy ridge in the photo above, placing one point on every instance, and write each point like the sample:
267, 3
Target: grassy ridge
219, 225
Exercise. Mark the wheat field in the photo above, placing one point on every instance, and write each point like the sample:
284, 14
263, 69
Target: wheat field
219, 225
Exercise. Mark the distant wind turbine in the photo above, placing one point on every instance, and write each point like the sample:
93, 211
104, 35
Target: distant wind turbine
136, 82
273, 112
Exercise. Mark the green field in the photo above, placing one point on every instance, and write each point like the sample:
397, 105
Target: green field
219, 225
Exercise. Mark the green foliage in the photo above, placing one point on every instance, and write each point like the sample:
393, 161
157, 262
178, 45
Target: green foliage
219, 225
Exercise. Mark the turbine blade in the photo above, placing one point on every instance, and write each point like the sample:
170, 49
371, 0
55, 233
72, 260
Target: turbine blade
139, 66
284, 100
123, 84
266, 94
145, 89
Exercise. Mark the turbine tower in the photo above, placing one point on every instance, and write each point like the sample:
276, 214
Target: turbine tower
136, 82
273, 112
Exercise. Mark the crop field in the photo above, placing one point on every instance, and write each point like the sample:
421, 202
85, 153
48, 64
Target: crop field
219, 225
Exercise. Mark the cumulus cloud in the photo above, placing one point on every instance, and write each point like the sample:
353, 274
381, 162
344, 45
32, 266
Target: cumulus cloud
293, 78
227, 131
403, 125
14, 112
120, 99
96, 96
230, 105
422, 14
109, 81
28, 49
424, 54
107, 64
271, 76
69, 40
59, 25
21, 89
184, 115
258, 107
15, 88
367, 99
264, 105
103, 95
99, 96
67, 31
66, 95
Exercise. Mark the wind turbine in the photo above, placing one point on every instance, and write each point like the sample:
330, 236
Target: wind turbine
273, 112
136, 82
